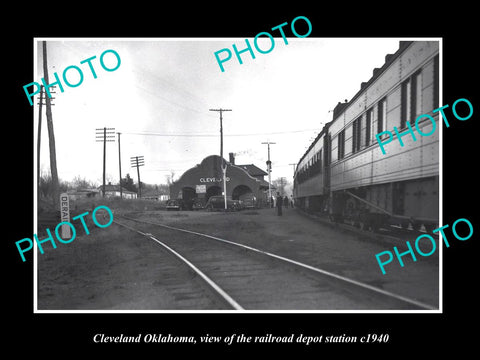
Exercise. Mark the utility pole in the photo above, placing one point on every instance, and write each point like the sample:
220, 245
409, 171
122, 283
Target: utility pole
137, 161
283, 181
269, 169
51, 135
39, 135
105, 135
224, 163
120, 167
39, 138
293, 168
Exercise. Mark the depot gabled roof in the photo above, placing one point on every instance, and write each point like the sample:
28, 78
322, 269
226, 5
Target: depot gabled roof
253, 170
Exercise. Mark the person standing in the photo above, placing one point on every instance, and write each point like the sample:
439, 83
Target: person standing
285, 202
279, 204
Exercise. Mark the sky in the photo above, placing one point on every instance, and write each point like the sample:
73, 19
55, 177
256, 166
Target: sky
160, 95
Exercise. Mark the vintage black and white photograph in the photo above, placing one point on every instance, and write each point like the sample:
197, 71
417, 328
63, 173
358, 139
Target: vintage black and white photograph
269, 174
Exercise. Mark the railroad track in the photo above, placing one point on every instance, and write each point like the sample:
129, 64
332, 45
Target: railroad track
247, 278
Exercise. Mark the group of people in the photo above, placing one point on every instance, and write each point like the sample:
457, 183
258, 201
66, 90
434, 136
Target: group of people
282, 202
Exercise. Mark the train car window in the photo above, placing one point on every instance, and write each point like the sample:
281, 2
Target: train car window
411, 99
320, 161
359, 133
368, 125
435, 83
416, 96
341, 144
356, 134
382, 115
406, 103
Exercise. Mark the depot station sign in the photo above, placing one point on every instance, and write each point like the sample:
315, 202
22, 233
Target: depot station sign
216, 180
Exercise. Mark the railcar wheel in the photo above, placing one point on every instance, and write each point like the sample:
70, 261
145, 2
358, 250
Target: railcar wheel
404, 224
374, 227
335, 218
376, 222
416, 225
363, 226
430, 227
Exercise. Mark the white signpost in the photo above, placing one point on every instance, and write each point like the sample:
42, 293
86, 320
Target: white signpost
65, 215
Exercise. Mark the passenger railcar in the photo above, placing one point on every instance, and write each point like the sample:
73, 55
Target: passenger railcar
312, 176
345, 174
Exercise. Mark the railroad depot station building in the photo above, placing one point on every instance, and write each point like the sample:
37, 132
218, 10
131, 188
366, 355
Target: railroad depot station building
206, 180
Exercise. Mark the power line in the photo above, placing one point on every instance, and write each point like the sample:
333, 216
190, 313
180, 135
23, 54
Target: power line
215, 135
157, 96
166, 170
170, 88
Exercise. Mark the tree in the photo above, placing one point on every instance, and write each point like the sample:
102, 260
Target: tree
163, 189
281, 184
127, 183
45, 186
47, 189
81, 183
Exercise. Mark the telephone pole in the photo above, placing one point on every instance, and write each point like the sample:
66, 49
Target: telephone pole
224, 164
293, 168
105, 135
51, 135
39, 138
137, 161
293, 188
120, 166
283, 182
269, 169
39, 134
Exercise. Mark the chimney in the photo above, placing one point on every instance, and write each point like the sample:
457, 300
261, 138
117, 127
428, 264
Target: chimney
232, 158
339, 108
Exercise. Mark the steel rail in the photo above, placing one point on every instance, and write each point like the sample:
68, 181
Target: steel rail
209, 281
300, 264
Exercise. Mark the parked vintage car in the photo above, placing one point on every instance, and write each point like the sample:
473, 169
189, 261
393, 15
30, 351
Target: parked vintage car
175, 204
217, 202
198, 204
249, 201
